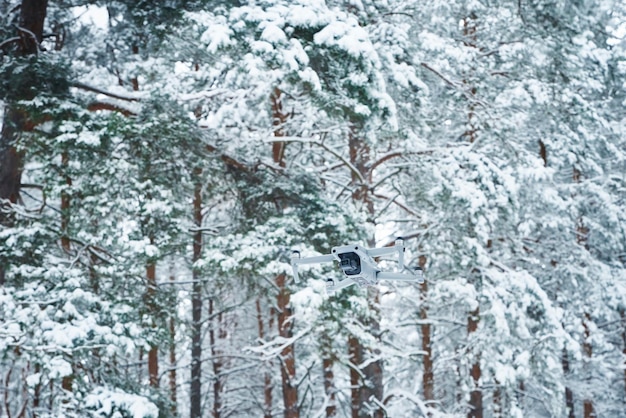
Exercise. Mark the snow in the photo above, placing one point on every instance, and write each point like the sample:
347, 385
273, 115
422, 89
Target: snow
115, 403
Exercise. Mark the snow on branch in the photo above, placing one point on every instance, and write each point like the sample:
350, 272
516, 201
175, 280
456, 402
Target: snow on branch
93, 89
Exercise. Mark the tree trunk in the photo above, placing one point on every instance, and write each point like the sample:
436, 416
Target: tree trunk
267, 379
428, 381
216, 361
329, 385
497, 400
172, 374
367, 383
285, 319
622, 313
476, 395
569, 395
153, 353
279, 117
195, 393
287, 359
356, 358
65, 204
588, 411
32, 18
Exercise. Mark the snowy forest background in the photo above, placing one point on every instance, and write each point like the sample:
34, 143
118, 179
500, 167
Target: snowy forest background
159, 160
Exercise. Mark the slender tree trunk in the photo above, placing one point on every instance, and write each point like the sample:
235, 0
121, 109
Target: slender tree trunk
267, 379
153, 353
279, 117
216, 361
497, 400
329, 385
476, 395
622, 313
172, 373
428, 381
588, 411
65, 204
569, 395
287, 355
356, 358
195, 393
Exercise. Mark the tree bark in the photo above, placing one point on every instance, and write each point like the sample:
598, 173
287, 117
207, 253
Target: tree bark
279, 117
195, 393
588, 411
622, 313
329, 385
285, 319
476, 395
30, 31
356, 358
428, 381
267, 379
172, 373
65, 204
216, 361
153, 353
569, 395
367, 383
287, 355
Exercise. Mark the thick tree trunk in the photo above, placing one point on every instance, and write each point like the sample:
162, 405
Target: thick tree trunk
195, 393
285, 319
30, 31
287, 355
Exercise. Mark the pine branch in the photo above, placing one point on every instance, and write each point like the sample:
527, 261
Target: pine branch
345, 162
93, 89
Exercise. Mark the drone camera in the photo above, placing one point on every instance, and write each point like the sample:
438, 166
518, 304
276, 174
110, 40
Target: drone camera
350, 263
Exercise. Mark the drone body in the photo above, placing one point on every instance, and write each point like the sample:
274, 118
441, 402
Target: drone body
358, 265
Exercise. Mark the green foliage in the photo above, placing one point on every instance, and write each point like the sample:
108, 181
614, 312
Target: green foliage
24, 78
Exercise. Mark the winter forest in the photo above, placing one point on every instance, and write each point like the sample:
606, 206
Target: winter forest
160, 160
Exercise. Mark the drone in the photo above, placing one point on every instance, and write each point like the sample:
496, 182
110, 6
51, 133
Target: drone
359, 267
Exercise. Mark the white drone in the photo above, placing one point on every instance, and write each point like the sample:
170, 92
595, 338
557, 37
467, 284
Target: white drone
359, 267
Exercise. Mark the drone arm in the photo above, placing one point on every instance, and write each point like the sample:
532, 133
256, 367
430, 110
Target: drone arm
296, 260
340, 285
312, 260
402, 277
377, 252
397, 248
